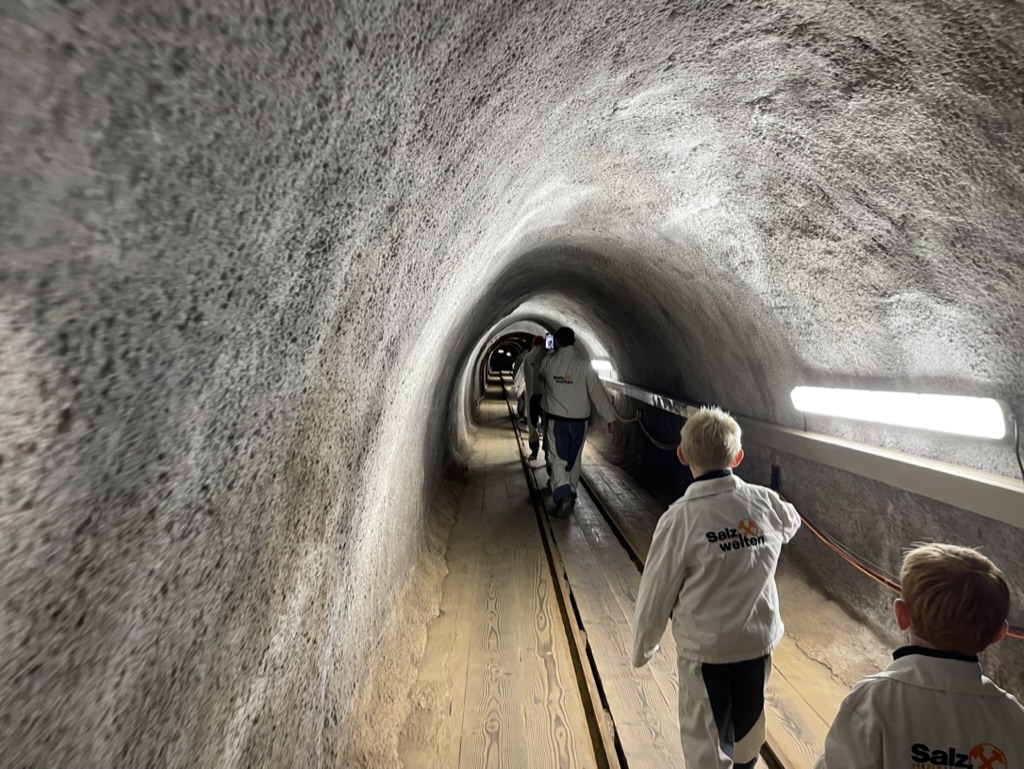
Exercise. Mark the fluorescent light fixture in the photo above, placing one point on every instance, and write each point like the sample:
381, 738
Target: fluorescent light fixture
604, 368
957, 414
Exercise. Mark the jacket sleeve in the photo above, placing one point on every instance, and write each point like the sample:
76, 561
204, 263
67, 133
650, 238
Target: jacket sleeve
787, 514
659, 588
855, 739
599, 396
527, 367
518, 362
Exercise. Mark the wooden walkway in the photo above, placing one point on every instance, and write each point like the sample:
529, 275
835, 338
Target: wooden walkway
604, 581
497, 686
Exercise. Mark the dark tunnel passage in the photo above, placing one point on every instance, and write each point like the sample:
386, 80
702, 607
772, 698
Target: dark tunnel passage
502, 354
257, 259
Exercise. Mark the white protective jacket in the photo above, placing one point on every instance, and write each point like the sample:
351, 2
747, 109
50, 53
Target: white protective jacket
571, 386
928, 708
531, 371
711, 568
518, 362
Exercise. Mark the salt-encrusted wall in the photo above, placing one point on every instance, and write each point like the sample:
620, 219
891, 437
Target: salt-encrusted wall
249, 247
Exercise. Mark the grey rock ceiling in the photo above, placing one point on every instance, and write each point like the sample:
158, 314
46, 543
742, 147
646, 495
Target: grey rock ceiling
249, 248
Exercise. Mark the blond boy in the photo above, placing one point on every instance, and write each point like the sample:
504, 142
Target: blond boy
932, 706
711, 568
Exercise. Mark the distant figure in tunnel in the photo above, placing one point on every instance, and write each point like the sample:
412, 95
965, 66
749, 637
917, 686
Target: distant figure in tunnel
711, 569
534, 392
932, 706
571, 391
518, 382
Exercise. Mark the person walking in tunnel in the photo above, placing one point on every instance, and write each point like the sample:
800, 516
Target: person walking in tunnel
571, 391
518, 382
534, 392
932, 706
711, 569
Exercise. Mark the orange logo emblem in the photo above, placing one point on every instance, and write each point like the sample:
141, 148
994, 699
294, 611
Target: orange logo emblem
988, 756
748, 527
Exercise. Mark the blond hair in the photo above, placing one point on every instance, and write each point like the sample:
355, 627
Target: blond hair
957, 598
710, 439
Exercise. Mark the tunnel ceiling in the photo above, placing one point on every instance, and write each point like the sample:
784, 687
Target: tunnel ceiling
848, 179
245, 243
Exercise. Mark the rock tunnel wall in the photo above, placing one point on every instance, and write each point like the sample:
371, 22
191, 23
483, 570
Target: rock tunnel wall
248, 250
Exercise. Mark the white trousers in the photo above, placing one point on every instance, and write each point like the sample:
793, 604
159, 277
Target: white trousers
534, 415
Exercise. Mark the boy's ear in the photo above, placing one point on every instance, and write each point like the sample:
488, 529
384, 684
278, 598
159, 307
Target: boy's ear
899, 607
679, 454
737, 459
1001, 633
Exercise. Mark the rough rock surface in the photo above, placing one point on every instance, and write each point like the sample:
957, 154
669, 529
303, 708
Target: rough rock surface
249, 249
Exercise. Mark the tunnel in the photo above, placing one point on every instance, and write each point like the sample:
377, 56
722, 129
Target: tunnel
257, 257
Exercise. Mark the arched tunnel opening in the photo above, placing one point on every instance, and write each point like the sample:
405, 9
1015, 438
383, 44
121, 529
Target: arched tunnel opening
266, 270
502, 355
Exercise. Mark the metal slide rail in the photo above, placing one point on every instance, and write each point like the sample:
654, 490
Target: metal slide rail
993, 496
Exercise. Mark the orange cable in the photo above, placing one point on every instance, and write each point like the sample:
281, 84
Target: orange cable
893, 585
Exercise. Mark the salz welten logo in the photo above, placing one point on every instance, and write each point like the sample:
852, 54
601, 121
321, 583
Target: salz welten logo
984, 755
746, 534
563, 378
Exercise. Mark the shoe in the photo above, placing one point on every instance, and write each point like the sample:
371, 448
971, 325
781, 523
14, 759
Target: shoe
564, 508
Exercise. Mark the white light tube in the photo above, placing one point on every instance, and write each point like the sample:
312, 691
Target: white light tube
604, 368
957, 414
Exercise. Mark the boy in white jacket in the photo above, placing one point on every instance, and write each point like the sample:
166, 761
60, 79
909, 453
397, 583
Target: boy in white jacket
932, 706
711, 568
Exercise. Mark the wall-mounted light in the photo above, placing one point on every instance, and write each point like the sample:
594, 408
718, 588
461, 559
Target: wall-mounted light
957, 414
603, 367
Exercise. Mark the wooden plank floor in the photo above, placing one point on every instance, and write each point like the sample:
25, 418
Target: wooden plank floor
496, 686
604, 582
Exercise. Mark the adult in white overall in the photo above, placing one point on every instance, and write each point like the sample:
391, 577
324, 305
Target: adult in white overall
571, 391
534, 391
